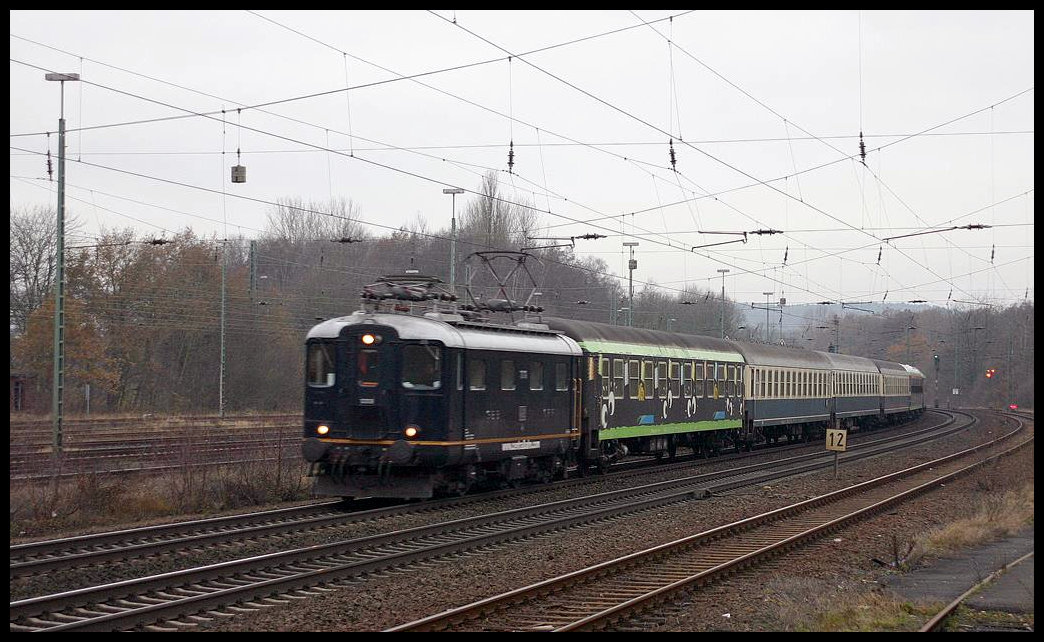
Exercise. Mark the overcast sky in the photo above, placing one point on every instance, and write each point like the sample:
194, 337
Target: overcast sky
764, 110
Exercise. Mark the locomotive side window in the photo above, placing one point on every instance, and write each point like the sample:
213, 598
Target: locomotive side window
536, 375
476, 374
421, 366
507, 374
369, 368
561, 376
618, 378
321, 371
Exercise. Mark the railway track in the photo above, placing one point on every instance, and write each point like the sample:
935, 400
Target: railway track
178, 598
37, 557
615, 594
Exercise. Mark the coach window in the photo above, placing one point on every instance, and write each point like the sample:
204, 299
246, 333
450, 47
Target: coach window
697, 376
421, 367
476, 374
536, 375
686, 378
320, 365
674, 378
647, 379
561, 376
618, 378
661, 379
633, 378
605, 377
722, 380
762, 376
730, 382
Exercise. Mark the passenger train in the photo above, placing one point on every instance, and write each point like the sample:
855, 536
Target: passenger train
412, 406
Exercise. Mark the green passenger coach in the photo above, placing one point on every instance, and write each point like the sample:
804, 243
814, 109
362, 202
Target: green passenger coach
648, 392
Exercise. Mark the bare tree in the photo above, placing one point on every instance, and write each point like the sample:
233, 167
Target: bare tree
494, 220
295, 221
34, 243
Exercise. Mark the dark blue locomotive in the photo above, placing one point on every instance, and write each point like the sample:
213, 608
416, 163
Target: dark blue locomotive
404, 405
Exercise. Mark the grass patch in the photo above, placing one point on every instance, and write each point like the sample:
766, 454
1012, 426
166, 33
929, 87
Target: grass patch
999, 515
94, 500
875, 612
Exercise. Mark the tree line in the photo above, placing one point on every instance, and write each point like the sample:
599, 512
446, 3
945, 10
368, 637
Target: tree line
143, 316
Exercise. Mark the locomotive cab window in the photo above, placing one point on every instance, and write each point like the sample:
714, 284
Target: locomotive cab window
561, 376
421, 366
476, 374
369, 362
321, 372
507, 374
536, 375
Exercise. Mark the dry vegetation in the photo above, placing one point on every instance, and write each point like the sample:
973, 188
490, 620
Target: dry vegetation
105, 500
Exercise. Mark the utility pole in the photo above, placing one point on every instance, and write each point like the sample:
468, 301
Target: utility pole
253, 270
57, 388
723, 272
632, 265
221, 376
453, 236
767, 303
936, 381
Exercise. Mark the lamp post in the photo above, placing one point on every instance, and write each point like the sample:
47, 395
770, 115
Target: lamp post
632, 264
453, 237
723, 272
59, 290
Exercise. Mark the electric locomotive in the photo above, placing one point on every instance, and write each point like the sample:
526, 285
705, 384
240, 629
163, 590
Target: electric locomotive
407, 406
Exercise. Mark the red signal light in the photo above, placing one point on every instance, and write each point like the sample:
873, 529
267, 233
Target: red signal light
1013, 406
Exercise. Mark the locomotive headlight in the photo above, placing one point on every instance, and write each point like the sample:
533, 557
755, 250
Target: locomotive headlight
369, 339
323, 429
411, 431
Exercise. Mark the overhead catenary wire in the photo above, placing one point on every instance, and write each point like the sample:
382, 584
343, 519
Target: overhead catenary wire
659, 203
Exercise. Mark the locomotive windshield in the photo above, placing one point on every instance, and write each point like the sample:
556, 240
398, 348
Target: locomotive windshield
421, 367
321, 372
369, 368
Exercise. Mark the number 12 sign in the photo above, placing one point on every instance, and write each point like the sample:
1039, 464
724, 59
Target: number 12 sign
836, 440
